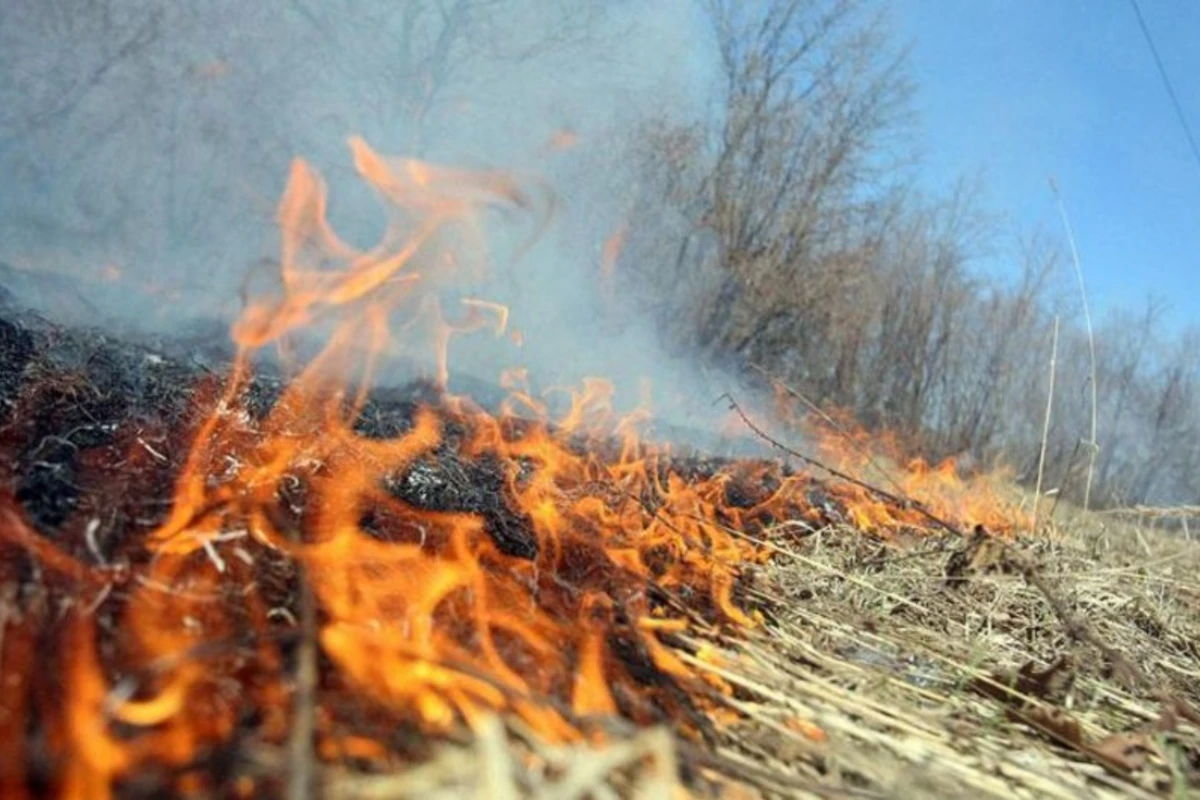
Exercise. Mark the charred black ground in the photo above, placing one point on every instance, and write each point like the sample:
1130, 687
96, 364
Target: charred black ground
94, 430
74, 403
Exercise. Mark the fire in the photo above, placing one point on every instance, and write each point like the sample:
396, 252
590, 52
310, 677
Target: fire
551, 590
944, 489
613, 246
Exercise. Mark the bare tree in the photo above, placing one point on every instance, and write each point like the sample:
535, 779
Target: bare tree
423, 54
1120, 370
772, 190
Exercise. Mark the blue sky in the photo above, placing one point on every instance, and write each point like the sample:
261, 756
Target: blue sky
1018, 90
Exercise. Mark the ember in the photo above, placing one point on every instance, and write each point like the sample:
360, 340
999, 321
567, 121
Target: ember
452, 562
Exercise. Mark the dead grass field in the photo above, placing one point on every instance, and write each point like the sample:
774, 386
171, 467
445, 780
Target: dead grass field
875, 676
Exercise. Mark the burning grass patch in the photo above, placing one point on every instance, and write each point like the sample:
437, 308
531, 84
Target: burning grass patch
877, 663
451, 581
264, 581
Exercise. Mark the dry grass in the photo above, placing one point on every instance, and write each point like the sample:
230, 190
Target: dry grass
506, 761
874, 678
875, 650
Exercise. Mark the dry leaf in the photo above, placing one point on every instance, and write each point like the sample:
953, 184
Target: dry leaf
1016, 691
1055, 680
1051, 682
982, 553
1052, 721
1181, 708
1127, 751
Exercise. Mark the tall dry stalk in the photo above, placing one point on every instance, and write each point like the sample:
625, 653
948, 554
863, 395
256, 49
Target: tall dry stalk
1037, 494
1093, 445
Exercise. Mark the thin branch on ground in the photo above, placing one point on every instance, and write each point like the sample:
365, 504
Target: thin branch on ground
831, 422
901, 500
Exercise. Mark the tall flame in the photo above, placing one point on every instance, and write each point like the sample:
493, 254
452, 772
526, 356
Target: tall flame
554, 599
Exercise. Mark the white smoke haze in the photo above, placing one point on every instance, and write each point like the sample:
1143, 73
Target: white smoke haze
144, 146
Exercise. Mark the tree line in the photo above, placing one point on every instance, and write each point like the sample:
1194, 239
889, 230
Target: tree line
783, 231
774, 222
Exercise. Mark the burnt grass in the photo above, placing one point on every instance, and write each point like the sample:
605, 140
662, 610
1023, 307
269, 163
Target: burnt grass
97, 427
94, 430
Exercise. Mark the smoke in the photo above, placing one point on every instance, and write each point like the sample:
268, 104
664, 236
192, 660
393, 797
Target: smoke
143, 148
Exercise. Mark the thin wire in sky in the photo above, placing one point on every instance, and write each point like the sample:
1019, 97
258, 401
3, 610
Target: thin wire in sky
1166, 79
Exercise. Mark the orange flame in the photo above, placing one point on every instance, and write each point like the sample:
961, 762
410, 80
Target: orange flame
613, 246
877, 458
557, 605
